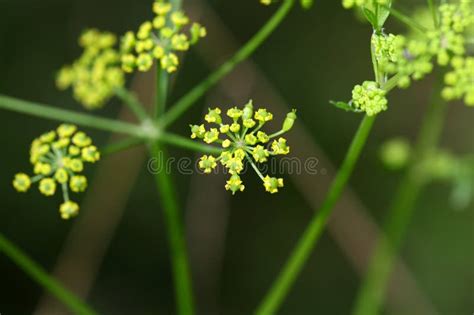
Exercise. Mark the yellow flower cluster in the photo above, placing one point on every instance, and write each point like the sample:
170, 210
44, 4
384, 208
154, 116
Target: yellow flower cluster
159, 39
242, 140
96, 74
58, 158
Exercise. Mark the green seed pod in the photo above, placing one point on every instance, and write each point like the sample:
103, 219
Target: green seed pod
248, 111
289, 120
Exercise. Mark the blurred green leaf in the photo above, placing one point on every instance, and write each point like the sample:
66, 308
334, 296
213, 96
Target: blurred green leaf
345, 106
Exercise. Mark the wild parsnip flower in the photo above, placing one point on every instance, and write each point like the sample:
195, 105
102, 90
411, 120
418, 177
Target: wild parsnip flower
160, 39
409, 59
460, 81
369, 98
97, 73
242, 139
448, 39
58, 158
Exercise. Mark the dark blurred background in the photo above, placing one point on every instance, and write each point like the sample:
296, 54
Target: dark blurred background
237, 244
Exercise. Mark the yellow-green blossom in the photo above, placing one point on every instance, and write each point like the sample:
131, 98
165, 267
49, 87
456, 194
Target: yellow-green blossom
96, 74
68, 209
58, 158
234, 184
207, 163
22, 182
243, 141
159, 39
460, 81
369, 98
272, 184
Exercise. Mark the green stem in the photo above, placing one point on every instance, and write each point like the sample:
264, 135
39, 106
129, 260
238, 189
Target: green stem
175, 231
391, 83
434, 12
313, 232
132, 102
407, 20
182, 142
371, 294
162, 81
38, 274
168, 138
52, 113
311, 235
191, 97
122, 145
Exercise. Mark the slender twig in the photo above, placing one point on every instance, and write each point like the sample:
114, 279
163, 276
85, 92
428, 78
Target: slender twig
52, 113
192, 96
371, 294
132, 102
38, 274
175, 231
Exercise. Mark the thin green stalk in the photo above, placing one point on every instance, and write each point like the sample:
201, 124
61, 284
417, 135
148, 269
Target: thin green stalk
52, 113
182, 142
313, 232
192, 96
122, 145
38, 274
165, 137
162, 81
372, 292
176, 239
132, 102
407, 20
434, 12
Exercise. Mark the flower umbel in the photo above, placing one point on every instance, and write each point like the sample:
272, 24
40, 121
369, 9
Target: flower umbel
460, 81
242, 139
160, 39
369, 98
58, 158
96, 74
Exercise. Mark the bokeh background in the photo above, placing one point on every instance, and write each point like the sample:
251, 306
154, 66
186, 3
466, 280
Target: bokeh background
115, 253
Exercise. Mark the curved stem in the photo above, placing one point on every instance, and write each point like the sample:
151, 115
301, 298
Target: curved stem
371, 294
38, 274
191, 97
311, 235
132, 102
175, 231
52, 113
